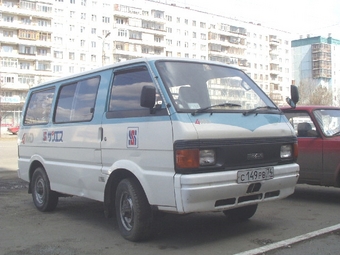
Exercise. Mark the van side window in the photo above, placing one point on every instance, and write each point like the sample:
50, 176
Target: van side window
126, 89
76, 101
39, 107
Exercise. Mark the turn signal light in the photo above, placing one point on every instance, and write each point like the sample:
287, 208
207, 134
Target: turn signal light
187, 158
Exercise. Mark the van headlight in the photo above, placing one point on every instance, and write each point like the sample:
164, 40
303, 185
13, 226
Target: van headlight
207, 157
286, 151
194, 158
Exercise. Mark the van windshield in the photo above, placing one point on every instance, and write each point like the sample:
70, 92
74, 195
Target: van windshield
200, 87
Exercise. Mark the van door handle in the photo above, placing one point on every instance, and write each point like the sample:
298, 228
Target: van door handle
100, 133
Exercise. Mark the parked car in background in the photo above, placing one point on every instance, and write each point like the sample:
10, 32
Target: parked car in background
318, 132
13, 130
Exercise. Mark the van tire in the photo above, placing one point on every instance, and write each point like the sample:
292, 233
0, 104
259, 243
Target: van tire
45, 200
241, 213
133, 212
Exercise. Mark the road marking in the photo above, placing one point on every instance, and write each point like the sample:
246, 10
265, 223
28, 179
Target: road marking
290, 241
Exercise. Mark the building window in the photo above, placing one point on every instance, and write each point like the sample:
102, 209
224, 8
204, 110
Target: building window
42, 52
58, 54
82, 57
168, 18
94, 17
8, 33
71, 55
202, 25
57, 68
82, 43
43, 23
93, 44
106, 19
83, 15
122, 33
119, 21
8, 18
24, 65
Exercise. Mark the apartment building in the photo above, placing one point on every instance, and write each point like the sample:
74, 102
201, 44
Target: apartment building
25, 55
40, 40
316, 62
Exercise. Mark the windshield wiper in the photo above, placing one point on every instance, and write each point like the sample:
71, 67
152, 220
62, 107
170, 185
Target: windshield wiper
215, 105
255, 110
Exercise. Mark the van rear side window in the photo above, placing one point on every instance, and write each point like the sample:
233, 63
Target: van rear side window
39, 107
76, 101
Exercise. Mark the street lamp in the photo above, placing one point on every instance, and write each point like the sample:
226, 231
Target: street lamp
103, 50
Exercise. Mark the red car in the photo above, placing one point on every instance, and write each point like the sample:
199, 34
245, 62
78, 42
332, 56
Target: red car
13, 130
318, 132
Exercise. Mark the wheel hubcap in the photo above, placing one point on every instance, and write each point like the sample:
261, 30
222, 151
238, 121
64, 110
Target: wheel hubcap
40, 190
126, 211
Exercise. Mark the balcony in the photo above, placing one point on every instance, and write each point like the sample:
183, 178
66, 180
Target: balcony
16, 10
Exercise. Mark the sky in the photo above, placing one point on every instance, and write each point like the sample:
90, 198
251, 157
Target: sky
299, 17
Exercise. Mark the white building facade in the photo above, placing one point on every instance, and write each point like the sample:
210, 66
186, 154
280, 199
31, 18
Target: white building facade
44, 39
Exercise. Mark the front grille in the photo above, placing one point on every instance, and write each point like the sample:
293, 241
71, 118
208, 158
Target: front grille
234, 154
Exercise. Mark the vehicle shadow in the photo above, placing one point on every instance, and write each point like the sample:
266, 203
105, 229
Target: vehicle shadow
171, 231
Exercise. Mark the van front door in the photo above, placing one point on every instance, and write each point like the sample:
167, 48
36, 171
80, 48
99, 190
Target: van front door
137, 139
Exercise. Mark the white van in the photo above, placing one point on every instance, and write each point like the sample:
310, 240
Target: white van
159, 134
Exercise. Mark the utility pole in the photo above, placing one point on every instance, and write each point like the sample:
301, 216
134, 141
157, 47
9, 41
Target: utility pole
103, 48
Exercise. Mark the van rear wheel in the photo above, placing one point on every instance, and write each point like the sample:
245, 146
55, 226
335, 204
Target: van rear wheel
241, 213
133, 212
44, 198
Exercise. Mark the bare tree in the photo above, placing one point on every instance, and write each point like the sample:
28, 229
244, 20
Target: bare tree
321, 96
311, 93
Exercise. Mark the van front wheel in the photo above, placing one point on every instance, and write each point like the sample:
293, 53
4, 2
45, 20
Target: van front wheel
133, 212
44, 198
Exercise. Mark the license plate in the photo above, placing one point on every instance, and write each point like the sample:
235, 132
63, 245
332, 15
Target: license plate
254, 175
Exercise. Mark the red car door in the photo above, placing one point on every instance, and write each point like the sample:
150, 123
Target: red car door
310, 159
331, 159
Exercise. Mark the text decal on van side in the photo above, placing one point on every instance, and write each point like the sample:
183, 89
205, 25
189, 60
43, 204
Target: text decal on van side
53, 136
132, 137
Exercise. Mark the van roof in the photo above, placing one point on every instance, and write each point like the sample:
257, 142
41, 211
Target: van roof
128, 62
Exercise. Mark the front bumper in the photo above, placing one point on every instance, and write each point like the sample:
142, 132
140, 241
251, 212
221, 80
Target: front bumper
220, 191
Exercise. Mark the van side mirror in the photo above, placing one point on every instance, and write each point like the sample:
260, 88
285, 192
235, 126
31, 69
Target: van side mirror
294, 96
148, 96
